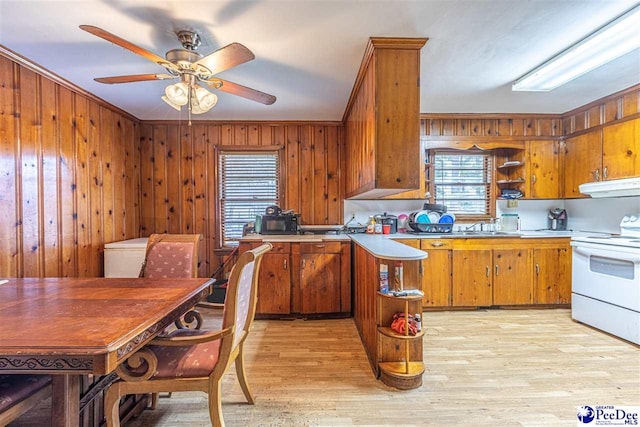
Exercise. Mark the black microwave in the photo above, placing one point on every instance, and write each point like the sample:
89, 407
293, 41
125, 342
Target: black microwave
280, 224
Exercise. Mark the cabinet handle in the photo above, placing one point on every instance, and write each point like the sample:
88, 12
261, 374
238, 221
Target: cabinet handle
496, 269
533, 178
319, 246
487, 271
436, 244
421, 270
605, 172
304, 262
285, 264
537, 269
596, 175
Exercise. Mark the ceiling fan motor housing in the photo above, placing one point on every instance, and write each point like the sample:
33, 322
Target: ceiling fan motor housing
189, 39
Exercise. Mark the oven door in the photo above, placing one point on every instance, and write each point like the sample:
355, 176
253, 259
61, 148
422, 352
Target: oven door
607, 273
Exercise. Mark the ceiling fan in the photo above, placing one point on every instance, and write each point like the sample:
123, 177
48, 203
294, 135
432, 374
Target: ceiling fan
191, 68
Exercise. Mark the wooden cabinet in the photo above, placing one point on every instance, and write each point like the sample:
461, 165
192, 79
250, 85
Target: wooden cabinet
436, 278
472, 277
324, 278
274, 280
382, 120
304, 278
552, 275
396, 358
621, 150
582, 162
543, 169
512, 277
609, 153
482, 272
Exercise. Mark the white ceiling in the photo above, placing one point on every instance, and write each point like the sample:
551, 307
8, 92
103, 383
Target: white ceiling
308, 51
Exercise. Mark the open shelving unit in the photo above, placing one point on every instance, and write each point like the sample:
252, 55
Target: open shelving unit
400, 361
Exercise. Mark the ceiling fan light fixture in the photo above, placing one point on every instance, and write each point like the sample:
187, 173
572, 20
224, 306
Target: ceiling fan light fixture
168, 101
178, 93
206, 100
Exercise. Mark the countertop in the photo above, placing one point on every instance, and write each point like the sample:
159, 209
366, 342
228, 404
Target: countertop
295, 238
381, 246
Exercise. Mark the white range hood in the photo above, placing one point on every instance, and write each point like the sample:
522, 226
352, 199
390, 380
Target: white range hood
612, 188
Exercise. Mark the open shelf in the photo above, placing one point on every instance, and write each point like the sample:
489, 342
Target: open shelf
407, 298
386, 330
510, 181
508, 165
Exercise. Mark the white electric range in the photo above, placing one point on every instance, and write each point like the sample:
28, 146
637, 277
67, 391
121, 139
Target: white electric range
606, 280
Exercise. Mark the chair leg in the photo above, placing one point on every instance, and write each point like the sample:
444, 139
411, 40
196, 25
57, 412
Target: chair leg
242, 376
112, 405
215, 403
154, 400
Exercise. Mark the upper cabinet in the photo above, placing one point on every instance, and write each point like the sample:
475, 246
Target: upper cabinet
543, 169
382, 120
600, 155
620, 146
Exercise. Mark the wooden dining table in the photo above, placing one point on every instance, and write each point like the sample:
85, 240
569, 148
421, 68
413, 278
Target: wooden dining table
70, 327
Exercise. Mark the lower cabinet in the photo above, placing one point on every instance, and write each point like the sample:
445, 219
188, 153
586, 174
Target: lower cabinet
325, 272
552, 275
304, 278
512, 277
472, 278
274, 280
481, 272
436, 279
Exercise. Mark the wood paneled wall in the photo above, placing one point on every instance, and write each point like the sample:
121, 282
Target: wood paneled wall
179, 174
614, 108
69, 177
490, 127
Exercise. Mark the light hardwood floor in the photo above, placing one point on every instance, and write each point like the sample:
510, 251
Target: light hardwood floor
484, 368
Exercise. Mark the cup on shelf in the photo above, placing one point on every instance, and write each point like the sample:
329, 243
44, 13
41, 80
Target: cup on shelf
386, 228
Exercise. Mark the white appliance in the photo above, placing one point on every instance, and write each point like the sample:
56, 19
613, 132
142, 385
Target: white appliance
124, 258
605, 290
612, 188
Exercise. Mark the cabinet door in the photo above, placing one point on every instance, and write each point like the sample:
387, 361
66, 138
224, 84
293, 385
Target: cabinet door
274, 285
320, 290
552, 276
512, 277
582, 162
543, 170
471, 277
436, 280
620, 150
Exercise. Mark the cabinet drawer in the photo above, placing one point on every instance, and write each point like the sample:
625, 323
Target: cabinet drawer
281, 248
436, 244
320, 247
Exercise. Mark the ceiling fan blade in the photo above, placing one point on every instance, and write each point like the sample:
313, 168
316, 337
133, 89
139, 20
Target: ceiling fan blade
243, 91
99, 32
226, 57
133, 78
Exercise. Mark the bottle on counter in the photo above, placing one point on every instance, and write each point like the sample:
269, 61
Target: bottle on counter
399, 277
377, 229
371, 225
384, 278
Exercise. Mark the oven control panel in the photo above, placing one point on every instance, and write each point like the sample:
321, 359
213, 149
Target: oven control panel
630, 225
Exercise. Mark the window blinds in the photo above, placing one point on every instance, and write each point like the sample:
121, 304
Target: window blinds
463, 182
248, 184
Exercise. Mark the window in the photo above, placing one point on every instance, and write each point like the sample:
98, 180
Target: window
248, 184
463, 182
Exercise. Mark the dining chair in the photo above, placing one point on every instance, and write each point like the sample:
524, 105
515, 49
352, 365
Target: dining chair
19, 393
171, 255
196, 360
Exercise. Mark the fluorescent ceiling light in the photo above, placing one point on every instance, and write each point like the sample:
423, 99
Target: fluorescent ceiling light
617, 38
